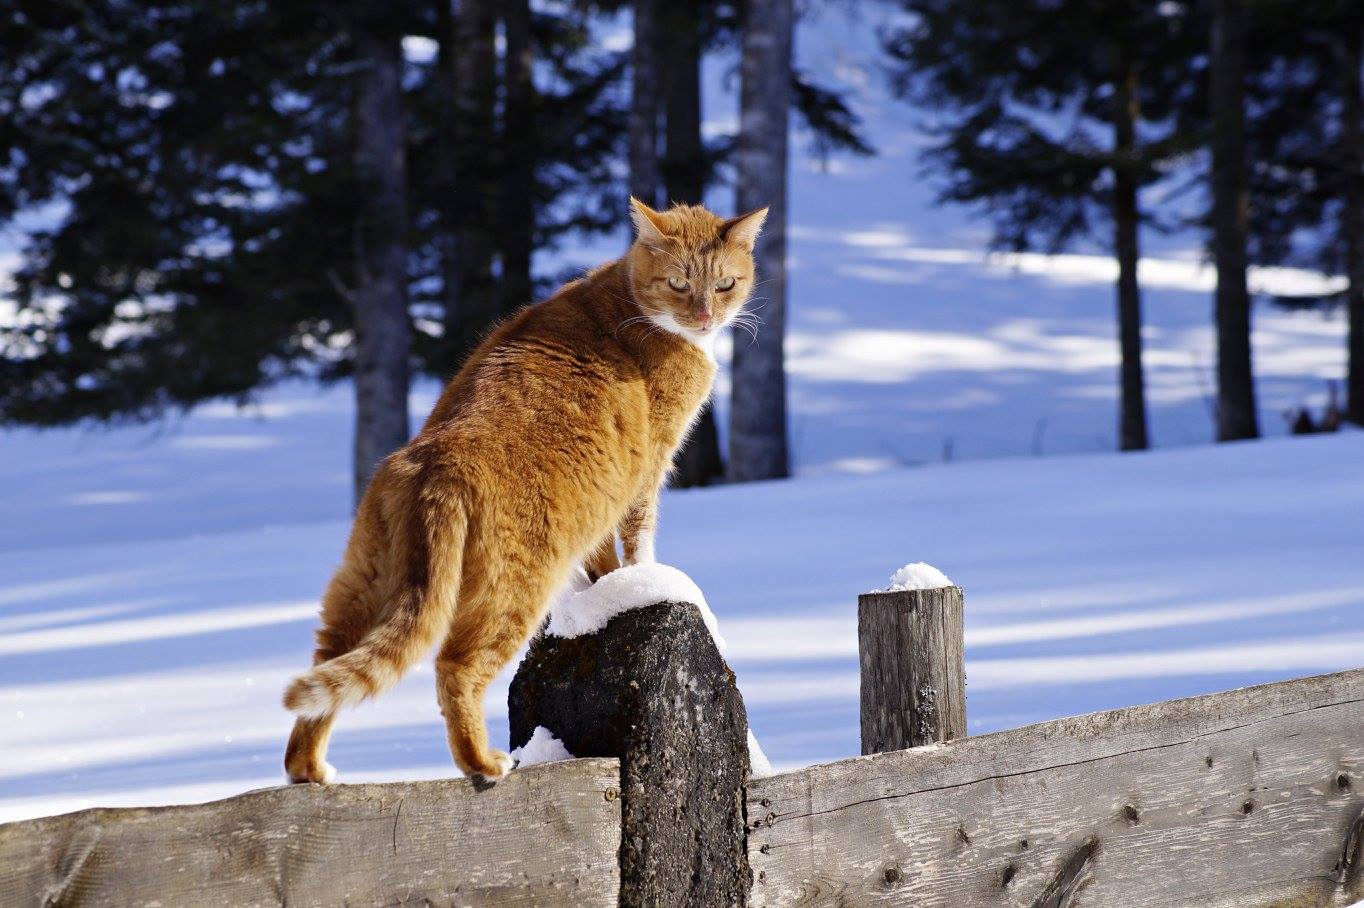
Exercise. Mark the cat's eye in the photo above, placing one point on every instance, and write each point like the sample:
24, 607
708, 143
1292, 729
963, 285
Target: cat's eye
724, 283
678, 284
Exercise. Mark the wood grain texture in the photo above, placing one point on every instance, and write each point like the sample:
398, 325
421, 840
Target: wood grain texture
1254, 797
910, 648
544, 836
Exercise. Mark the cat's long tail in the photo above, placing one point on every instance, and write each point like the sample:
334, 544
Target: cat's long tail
428, 549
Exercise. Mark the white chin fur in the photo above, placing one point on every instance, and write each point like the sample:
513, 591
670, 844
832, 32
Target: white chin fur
706, 342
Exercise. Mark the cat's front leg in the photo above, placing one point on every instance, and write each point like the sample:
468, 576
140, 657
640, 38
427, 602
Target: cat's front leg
602, 560
637, 529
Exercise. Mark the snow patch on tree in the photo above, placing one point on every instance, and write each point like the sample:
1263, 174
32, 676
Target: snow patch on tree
916, 576
583, 607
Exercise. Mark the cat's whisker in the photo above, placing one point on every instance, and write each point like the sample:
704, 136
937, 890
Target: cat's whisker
751, 313
752, 332
748, 325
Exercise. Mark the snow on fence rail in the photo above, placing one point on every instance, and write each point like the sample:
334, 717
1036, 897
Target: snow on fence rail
1252, 797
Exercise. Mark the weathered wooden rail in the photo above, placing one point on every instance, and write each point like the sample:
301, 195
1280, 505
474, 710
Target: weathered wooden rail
547, 836
1253, 797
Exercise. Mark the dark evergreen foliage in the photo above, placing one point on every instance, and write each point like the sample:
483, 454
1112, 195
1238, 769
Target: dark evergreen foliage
183, 170
1019, 100
1306, 145
183, 176
1050, 116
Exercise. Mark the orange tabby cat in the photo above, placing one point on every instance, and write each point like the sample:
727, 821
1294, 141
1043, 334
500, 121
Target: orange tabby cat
555, 436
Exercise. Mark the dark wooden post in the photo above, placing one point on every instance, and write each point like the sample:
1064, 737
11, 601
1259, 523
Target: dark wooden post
913, 670
652, 689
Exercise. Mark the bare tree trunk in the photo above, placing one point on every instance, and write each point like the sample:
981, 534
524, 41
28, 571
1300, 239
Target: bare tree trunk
699, 462
1236, 413
644, 103
684, 165
1126, 219
382, 332
684, 178
757, 421
470, 293
517, 210
1352, 217
446, 173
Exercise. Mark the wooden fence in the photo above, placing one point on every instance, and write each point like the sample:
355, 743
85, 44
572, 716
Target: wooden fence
1252, 797
547, 835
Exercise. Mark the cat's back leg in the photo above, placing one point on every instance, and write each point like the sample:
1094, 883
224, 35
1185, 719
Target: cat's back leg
602, 558
487, 631
351, 606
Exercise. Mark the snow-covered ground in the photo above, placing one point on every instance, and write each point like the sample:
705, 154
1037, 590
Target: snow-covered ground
156, 595
158, 585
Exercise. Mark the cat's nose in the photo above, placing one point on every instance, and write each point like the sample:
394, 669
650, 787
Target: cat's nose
704, 318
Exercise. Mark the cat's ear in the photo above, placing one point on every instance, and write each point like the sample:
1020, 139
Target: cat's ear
648, 223
744, 229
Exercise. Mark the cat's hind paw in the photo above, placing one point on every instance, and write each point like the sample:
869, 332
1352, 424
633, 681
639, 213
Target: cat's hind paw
502, 765
323, 775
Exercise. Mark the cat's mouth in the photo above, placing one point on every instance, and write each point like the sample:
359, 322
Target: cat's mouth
700, 326
690, 329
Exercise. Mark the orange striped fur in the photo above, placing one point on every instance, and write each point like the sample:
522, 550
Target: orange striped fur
553, 439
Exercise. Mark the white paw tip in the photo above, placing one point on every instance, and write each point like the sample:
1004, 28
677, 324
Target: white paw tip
506, 762
328, 775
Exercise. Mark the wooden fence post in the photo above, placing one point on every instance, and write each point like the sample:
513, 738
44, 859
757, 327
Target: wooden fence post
910, 646
652, 689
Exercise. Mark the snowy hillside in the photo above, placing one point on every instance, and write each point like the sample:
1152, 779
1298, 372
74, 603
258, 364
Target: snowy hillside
158, 585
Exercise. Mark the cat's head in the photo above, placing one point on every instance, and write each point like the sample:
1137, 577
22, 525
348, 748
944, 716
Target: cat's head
691, 271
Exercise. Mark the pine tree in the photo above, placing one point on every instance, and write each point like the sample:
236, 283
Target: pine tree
685, 169
379, 297
219, 209
1236, 414
471, 292
519, 154
1351, 168
1022, 94
758, 444
645, 90
1306, 151
215, 213
196, 183
516, 215
671, 163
